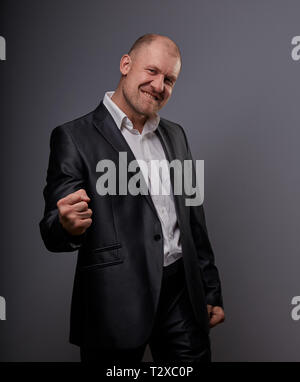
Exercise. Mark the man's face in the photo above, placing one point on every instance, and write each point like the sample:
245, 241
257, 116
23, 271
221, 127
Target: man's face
149, 78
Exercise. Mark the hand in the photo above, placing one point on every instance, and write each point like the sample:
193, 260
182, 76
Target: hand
216, 315
74, 214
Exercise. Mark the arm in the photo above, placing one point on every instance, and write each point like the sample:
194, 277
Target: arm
204, 249
65, 175
206, 258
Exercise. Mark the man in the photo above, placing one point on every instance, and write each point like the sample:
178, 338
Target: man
145, 272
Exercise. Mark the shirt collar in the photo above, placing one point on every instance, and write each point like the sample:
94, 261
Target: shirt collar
121, 119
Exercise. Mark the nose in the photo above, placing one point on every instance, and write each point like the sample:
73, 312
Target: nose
158, 83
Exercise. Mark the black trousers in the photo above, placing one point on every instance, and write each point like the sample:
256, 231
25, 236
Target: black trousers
176, 336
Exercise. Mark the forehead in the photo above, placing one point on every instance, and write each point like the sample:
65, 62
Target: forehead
161, 55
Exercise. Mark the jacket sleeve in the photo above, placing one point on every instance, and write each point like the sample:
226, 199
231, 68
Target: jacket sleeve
65, 175
211, 279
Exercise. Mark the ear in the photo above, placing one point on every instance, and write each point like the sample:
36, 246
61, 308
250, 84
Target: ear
125, 64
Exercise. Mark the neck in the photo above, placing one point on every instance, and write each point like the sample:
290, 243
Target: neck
138, 120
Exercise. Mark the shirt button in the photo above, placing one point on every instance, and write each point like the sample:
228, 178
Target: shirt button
157, 237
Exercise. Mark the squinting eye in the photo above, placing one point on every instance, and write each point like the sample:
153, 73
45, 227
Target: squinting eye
151, 70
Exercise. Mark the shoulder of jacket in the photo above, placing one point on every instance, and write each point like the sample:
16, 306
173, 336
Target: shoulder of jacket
171, 125
76, 124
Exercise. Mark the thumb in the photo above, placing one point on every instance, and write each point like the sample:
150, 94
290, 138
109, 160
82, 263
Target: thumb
82, 193
209, 309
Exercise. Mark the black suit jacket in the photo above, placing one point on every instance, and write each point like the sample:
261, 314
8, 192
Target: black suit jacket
120, 259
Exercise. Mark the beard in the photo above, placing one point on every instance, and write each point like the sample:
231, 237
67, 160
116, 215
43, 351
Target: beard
137, 105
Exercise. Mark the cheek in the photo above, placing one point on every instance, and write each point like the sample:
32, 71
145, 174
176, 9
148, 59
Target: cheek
168, 93
132, 83
144, 81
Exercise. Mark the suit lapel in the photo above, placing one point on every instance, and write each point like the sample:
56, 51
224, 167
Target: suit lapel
166, 143
106, 126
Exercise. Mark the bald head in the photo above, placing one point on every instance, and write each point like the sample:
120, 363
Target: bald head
148, 39
149, 72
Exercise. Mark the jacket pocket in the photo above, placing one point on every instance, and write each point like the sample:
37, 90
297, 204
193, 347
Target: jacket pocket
103, 257
107, 248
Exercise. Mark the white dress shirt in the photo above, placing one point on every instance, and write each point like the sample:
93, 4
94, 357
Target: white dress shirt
147, 146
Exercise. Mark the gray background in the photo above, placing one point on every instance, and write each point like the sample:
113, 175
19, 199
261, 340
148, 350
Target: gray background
237, 98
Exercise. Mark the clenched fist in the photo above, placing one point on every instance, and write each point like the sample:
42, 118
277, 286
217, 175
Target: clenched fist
74, 213
216, 315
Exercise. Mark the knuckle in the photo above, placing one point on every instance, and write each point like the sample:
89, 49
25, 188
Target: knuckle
62, 210
85, 205
60, 202
81, 206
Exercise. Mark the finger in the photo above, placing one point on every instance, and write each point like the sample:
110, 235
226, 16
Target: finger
72, 199
213, 321
80, 206
83, 195
76, 197
216, 319
85, 215
218, 311
86, 222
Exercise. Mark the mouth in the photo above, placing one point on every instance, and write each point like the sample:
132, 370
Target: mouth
150, 96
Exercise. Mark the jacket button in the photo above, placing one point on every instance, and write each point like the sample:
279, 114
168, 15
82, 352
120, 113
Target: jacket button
157, 237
